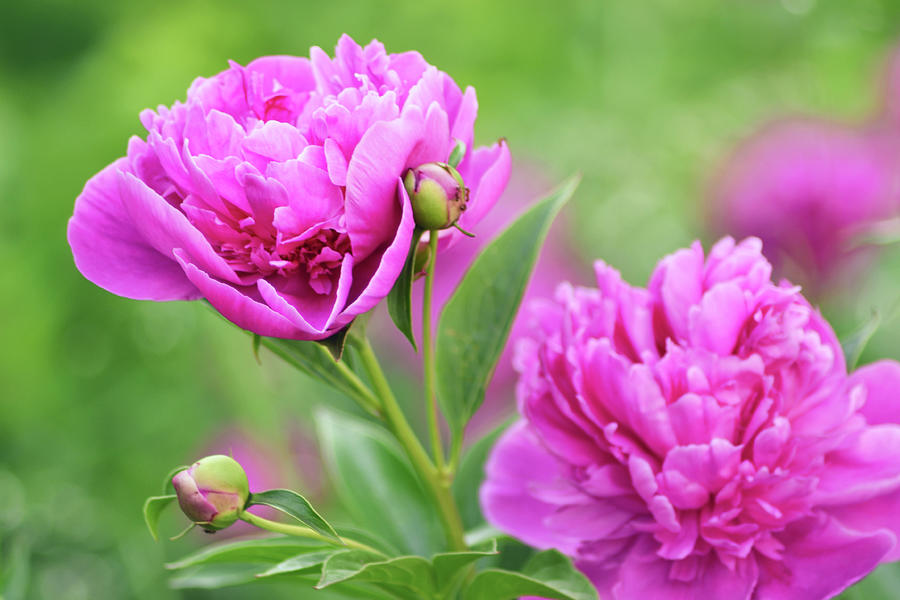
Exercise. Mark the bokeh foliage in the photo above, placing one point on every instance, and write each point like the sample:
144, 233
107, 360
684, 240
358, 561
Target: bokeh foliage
101, 396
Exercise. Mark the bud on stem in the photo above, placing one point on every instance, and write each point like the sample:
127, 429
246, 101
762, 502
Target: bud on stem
438, 195
212, 492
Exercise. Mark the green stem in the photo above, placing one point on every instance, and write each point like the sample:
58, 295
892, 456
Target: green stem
304, 532
437, 484
365, 398
428, 355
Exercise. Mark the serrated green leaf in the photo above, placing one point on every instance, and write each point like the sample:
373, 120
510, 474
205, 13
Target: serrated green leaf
549, 574
302, 563
376, 484
855, 343
153, 507
469, 476
413, 573
476, 320
399, 300
293, 504
271, 551
449, 565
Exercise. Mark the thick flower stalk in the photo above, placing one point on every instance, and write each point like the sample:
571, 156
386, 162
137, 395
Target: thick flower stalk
275, 191
700, 438
809, 189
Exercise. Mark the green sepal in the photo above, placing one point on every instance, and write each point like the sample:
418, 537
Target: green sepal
153, 507
457, 154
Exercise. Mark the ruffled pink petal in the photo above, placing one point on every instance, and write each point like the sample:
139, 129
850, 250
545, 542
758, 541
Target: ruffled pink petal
821, 559
166, 228
644, 575
486, 175
882, 383
294, 72
517, 464
240, 305
435, 144
379, 159
379, 273
111, 252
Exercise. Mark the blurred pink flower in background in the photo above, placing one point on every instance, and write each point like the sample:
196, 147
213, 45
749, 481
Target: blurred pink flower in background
808, 188
558, 260
700, 438
275, 190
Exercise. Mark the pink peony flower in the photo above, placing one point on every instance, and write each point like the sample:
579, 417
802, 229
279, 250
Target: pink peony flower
275, 190
807, 188
699, 439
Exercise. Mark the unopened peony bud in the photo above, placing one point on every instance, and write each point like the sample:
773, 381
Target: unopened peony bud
212, 492
437, 193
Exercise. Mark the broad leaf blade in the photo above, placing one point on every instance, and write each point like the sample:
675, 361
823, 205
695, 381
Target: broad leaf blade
548, 575
153, 507
295, 505
449, 565
313, 359
399, 301
469, 477
272, 551
413, 573
476, 320
376, 484
302, 563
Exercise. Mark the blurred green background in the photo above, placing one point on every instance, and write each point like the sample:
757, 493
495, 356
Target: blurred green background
101, 396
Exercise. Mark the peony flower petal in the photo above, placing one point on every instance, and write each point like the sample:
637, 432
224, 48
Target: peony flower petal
111, 252
882, 384
240, 304
372, 210
821, 559
516, 464
165, 228
381, 272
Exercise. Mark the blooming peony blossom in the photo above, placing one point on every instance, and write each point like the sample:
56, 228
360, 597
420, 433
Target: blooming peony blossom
807, 188
699, 439
275, 190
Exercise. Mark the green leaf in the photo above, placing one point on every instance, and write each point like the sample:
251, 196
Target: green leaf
302, 563
449, 565
211, 577
470, 475
856, 342
548, 575
153, 508
270, 550
399, 300
314, 360
295, 505
376, 484
476, 320
411, 572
